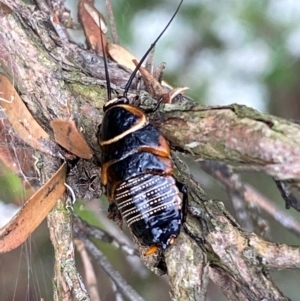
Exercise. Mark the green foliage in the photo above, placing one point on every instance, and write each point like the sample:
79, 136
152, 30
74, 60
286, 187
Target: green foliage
11, 186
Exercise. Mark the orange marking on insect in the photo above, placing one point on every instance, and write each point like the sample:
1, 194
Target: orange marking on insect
162, 150
153, 249
142, 121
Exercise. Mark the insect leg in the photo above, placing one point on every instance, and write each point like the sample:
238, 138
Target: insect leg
148, 111
114, 214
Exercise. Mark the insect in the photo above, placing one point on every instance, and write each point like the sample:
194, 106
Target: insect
137, 170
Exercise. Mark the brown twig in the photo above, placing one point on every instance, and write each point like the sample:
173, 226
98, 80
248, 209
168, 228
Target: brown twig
250, 195
234, 187
102, 261
90, 276
92, 231
287, 195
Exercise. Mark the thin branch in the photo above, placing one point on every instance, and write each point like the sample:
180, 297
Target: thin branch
235, 189
91, 280
107, 267
102, 235
233, 184
287, 195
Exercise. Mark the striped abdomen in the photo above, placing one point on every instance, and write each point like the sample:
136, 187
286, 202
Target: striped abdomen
151, 206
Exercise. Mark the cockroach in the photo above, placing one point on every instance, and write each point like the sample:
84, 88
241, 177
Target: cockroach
137, 170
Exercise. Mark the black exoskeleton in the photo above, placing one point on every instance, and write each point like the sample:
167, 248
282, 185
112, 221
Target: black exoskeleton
137, 170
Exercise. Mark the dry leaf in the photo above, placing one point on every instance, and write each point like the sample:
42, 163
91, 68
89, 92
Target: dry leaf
122, 56
33, 212
24, 125
176, 92
96, 16
153, 87
16, 154
67, 135
90, 19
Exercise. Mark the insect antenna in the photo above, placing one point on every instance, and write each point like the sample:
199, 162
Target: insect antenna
133, 74
108, 87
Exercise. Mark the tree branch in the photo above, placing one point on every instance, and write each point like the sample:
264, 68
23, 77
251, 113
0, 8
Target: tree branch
60, 80
236, 134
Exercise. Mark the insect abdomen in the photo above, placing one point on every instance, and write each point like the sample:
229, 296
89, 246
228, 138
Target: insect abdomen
151, 206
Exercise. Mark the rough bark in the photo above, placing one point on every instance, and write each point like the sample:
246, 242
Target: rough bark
58, 79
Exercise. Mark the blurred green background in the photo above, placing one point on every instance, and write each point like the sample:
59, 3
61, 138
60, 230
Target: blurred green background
226, 52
